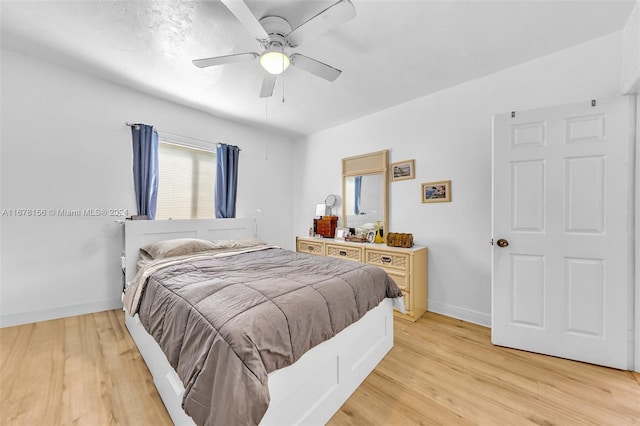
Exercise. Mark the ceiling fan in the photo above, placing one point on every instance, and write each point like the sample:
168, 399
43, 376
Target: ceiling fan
275, 35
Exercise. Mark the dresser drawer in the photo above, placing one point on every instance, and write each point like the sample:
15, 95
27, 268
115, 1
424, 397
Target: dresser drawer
311, 247
387, 259
400, 280
344, 252
407, 301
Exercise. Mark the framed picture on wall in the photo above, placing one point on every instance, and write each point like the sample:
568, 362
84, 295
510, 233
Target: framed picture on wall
403, 170
436, 192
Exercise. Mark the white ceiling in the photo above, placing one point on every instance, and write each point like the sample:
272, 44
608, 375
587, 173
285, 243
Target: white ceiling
392, 52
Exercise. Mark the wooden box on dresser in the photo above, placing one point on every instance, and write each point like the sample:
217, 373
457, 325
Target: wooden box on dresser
406, 266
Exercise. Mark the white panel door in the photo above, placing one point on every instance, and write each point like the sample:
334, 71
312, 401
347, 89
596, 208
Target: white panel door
562, 215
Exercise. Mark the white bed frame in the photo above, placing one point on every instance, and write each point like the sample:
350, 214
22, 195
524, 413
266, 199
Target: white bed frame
308, 392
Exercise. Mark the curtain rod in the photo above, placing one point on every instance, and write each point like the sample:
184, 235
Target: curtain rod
178, 136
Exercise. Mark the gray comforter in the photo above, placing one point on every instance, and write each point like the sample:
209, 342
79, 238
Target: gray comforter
225, 323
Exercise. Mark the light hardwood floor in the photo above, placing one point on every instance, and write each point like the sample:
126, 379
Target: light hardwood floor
86, 370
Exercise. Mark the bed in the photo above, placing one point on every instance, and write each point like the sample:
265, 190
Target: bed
309, 390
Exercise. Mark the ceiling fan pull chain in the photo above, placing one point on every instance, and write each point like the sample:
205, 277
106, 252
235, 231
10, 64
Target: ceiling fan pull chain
266, 129
283, 77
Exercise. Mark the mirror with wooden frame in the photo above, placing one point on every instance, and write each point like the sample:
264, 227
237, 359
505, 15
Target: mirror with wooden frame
365, 190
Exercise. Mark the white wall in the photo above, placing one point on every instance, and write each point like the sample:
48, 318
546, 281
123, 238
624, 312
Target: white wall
630, 76
64, 145
449, 136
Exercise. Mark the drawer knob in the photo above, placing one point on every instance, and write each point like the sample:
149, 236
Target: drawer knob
342, 253
310, 248
385, 259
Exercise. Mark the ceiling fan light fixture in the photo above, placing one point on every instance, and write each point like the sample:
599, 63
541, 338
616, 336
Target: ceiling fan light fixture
274, 61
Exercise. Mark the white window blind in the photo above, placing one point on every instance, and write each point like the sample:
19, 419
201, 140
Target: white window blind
186, 182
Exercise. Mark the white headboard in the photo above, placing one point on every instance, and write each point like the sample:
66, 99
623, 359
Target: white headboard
138, 233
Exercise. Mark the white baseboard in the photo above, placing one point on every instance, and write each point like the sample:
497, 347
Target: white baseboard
464, 314
10, 320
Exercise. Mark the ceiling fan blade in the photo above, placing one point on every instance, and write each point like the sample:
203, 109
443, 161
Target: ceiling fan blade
221, 60
336, 14
268, 83
315, 67
241, 11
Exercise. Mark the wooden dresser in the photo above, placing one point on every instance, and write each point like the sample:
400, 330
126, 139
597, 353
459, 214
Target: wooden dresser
406, 266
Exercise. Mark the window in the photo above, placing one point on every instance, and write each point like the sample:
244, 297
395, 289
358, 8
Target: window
186, 182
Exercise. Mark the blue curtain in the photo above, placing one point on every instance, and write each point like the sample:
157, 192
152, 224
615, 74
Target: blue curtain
358, 193
226, 180
145, 168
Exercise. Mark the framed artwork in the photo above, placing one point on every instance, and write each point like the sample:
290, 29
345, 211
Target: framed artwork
436, 192
403, 170
341, 233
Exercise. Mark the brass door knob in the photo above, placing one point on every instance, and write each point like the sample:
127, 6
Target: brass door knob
502, 242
